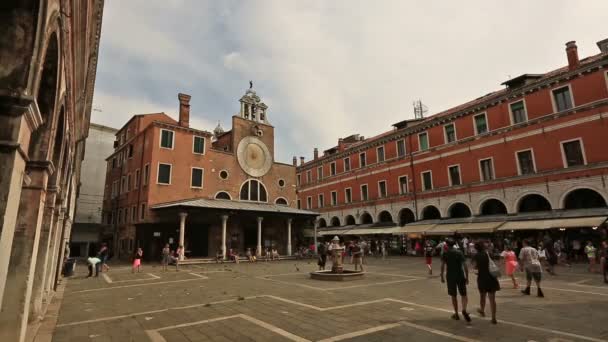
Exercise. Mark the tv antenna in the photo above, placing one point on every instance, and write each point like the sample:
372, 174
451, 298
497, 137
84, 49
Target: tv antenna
419, 109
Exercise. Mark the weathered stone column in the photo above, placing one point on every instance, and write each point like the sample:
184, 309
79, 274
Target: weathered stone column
315, 235
44, 253
289, 236
258, 251
182, 233
54, 251
24, 252
224, 221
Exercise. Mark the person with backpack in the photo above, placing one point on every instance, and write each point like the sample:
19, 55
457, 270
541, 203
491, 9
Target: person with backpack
487, 279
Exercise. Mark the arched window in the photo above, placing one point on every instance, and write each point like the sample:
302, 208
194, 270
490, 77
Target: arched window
223, 195
533, 202
252, 190
385, 217
366, 218
431, 213
583, 199
322, 223
280, 201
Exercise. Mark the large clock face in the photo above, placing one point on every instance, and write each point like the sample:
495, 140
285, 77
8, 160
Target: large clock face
254, 157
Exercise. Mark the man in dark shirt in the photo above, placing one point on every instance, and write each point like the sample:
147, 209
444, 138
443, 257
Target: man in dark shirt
457, 278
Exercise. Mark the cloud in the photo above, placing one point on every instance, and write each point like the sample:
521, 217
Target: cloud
328, 69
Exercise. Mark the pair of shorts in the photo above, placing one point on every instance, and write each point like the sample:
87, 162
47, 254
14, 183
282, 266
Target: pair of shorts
458, 284
429, 260
533, 275
357, 260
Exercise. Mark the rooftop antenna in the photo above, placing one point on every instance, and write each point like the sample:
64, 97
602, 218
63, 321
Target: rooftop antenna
419, 109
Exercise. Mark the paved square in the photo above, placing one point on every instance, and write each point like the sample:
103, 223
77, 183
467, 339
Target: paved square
276, 301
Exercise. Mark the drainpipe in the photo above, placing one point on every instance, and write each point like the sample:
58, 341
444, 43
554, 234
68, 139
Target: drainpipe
409, 139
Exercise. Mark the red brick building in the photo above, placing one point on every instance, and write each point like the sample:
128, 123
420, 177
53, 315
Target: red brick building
170, 183
531, 155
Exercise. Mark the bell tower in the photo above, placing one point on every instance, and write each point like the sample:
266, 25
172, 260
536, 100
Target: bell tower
252, 108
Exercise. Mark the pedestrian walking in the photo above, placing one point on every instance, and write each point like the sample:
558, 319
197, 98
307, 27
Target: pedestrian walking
590, 251
165, 257
528, 257
322, 256
357, 255
510, 260
604, 259
457, 276
139, 254
487, 280
428, 255
93, 262
103, 256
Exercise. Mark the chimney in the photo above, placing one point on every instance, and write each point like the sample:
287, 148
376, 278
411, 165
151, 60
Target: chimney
301, 160
295, 161
572, 53
316, 153
184, 110
603, 45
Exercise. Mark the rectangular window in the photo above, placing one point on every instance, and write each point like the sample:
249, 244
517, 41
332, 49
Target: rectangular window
401, 148
164, 174
119, 216
454, 173
123, 184
133, 213
136, 180
427, 180
346, 164
562, 99
127, 215
403, 185
198, 145
572, 152
380, 154
364, 196
382, 189
146, 174
362, 159
320, 173
481, 123
166, 139
196, 178
450, 133
130, 151
486, 169
518, 112
142, 211
129, 182
525, 162
298, 179
308, 202
321, 201
299, 204
334, 198
332, 168
308, 176
423, 141
348, 195
114, 162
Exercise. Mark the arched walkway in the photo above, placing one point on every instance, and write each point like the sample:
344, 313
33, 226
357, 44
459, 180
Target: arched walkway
431, 213
335, 221
584, 199
322, 223
366, 218
406, 216
459, 210
492, 207
532, 203
385, 217
350, 220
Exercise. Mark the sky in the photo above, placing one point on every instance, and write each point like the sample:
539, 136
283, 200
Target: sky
327, 69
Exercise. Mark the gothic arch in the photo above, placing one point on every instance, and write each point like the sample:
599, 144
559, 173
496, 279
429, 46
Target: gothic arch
349, 220
582, 198
459, 210
430, 212
406, 215
385, 217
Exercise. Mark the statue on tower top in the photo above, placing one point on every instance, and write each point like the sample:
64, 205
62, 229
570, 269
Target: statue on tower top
250, 84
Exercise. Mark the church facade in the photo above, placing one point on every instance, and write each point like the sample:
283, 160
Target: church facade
170, 183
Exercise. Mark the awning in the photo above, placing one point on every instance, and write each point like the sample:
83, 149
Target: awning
308, 232
372, 231
413, 229
332, 232
234, 205
576, 222
465, 228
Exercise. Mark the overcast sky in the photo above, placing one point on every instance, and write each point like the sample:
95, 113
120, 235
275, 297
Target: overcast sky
327, 69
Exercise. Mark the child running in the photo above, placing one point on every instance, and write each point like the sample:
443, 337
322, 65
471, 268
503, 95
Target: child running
137, 260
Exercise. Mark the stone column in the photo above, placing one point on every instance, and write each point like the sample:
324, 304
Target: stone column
182, 233
24, 253
258, 251
315, 235
224, 221
289, 236
54, 251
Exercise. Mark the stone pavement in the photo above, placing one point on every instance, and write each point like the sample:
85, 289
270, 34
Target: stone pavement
276, 301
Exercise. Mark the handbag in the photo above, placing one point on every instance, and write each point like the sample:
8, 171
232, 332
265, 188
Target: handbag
494, 270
